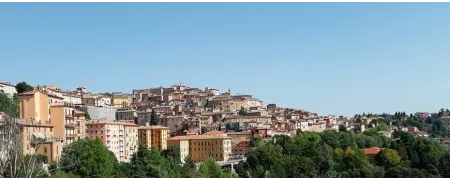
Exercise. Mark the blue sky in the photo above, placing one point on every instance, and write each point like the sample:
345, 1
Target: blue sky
330, 58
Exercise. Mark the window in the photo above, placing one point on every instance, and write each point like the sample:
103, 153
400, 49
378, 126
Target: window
45, 150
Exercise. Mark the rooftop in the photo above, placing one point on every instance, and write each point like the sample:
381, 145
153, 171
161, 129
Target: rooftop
197, 137
214, 133
372, 150
153, 127
110, 122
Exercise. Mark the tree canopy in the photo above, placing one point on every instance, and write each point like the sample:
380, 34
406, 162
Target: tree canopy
23, 87
89, 158
153, 118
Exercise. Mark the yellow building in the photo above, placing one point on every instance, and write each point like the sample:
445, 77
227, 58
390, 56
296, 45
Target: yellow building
153, 136
200, 147
121, 101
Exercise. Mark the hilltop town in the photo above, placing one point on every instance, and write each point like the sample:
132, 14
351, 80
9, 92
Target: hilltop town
200, 123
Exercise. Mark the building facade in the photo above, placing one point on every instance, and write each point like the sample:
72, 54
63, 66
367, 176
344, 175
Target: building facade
120, 137
96, 113
153, 136
8, 88
205, 146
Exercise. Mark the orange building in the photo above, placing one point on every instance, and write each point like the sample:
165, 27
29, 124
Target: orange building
217, 146
37, 123
67, 122
34, 105
154, 136
38, 137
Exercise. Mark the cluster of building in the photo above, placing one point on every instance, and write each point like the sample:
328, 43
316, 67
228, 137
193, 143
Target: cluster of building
201, 123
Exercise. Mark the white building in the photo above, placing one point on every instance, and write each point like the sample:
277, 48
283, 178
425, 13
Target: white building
7, 88
72, 98
100, 112
131, 140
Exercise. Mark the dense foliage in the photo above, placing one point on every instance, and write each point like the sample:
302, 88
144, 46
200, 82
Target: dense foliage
23, 87
340, 155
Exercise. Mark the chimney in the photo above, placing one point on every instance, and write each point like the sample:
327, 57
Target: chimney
147, 124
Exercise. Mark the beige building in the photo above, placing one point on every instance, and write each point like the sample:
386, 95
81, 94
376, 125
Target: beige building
203, 146
120, 137
174, 123
97, 100
236, 118
154, 136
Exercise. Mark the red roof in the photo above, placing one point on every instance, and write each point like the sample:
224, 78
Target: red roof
372, 150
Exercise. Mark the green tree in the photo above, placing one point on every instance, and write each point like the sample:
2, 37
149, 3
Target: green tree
89, 158
382, 127
139, 162
172, 152
210, 169
342, 128
125, 170
388, 158
153, 118
242, 111
256, 141
23, 87
8, 106
189, 169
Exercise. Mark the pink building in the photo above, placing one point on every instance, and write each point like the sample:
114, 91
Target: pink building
120, 137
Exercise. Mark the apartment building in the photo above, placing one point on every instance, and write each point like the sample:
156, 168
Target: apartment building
38, 137
67, 121
240, 143
237, 118
121, 100
128, 114
182, 145
96, 113
96, 100
72, 98
120, 137
153, 136
204, 146
7, 88
174, 123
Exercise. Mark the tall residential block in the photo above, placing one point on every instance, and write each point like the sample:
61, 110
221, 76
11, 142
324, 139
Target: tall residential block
154, 136
120, 137
67, 121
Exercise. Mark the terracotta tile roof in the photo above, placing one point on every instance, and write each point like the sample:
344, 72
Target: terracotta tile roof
372, 150
196, 137
109, 122
153, 127
243, 132
214, 132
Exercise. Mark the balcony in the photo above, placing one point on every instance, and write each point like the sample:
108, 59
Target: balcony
70, 135
71, 125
